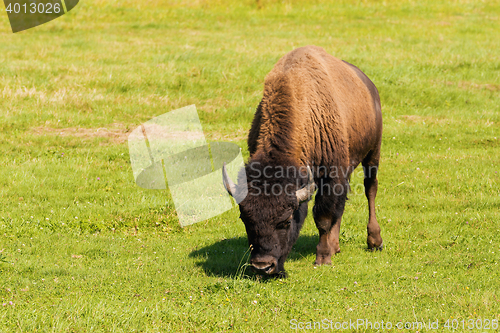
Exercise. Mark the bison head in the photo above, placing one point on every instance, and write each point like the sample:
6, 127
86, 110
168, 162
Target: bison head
273, 210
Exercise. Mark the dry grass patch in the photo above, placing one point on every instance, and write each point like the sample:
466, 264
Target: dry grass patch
116, 132
424, 119
467, 85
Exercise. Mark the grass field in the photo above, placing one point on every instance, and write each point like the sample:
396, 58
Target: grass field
83, 249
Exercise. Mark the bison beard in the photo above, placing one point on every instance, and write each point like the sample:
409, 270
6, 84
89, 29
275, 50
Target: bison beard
316, 111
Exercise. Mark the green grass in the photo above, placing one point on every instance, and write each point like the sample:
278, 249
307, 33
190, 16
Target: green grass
83, 249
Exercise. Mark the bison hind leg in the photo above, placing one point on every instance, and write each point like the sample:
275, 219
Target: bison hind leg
370, 168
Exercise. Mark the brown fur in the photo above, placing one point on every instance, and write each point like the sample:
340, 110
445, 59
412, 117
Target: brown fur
316, 111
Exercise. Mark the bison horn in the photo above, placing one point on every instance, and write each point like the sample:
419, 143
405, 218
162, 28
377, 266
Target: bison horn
228, 183
307, 191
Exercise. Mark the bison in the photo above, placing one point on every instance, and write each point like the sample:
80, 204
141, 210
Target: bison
319, 117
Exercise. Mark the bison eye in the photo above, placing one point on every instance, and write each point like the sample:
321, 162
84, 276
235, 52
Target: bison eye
284, 224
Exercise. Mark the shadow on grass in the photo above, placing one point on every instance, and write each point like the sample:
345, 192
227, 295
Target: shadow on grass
229, 257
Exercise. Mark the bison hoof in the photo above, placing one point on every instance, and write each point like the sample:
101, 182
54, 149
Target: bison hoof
316, 263
376, 248
281, 275
323, 261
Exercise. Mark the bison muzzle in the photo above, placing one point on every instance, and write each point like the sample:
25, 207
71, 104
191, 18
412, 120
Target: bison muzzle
319, 118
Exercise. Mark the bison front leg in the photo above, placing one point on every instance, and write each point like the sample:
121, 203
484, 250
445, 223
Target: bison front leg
328, 240
328, 210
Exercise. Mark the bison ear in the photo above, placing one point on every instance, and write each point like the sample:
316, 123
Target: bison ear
307, 191
228, 183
